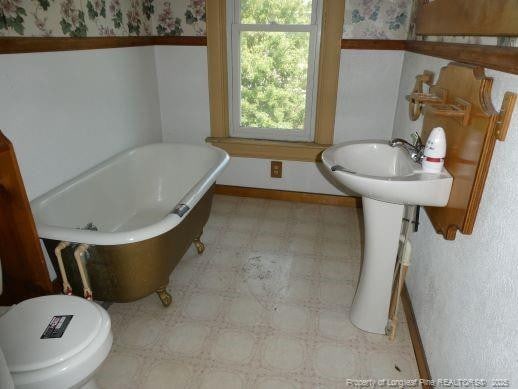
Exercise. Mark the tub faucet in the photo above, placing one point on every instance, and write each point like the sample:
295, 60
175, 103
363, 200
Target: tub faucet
415, 150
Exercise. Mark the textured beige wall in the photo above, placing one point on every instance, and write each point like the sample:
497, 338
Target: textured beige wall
465, 292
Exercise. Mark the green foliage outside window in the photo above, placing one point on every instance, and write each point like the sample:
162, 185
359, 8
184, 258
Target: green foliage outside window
276, 11
274, 65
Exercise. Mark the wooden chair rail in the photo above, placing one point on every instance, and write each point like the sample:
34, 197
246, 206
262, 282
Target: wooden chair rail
499, 58
373, 44
13, 45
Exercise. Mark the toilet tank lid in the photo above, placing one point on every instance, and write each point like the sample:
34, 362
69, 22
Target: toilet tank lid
44, 331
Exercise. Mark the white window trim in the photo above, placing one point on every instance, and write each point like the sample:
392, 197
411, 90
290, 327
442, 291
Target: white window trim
234, 91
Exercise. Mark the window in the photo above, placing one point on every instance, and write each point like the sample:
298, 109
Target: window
328, 16
273, 72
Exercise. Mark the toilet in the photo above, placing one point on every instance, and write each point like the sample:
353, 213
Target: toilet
53, 342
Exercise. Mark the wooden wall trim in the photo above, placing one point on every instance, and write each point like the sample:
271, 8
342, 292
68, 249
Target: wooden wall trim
373, 44
504, 59
13, 45
218, 68
328, 70
284, 195
10, 45
415, 336
179, 40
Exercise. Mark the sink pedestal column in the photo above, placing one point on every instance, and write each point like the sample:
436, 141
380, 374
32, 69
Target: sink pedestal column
382, 222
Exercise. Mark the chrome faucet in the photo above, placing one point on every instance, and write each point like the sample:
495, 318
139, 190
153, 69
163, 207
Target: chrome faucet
415, 150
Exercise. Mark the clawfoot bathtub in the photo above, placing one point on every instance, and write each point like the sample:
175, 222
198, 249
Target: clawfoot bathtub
134, 216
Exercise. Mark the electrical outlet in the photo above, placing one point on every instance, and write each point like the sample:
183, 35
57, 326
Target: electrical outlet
276, 169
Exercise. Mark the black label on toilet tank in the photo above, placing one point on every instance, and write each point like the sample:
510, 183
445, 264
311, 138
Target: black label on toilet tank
57, 327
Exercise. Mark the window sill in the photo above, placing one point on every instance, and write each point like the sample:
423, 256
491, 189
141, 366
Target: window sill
269, 149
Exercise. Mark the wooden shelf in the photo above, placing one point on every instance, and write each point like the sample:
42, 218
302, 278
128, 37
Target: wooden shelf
425, 98
472, 126
461, 110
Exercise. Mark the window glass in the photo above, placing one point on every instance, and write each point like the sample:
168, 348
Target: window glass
276, 11
274, 78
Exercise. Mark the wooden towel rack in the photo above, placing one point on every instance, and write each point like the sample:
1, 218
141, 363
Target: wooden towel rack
460, 102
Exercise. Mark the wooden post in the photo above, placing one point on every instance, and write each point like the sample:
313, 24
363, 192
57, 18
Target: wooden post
25, 273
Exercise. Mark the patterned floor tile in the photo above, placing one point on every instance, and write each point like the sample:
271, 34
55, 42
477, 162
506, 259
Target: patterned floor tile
265, 306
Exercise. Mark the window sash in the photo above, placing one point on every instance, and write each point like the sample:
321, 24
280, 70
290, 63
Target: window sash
305, 134
314, 15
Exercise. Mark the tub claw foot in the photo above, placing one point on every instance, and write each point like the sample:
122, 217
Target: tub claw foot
200, 247
164, 297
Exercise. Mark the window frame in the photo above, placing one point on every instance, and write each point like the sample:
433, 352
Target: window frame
234, 30
328, 73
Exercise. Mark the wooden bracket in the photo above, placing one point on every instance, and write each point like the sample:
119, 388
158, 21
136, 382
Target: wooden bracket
426, 78
461, 109
504, 117
417, 97
425, 98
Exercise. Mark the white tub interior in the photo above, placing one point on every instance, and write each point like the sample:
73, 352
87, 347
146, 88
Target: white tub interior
131, 191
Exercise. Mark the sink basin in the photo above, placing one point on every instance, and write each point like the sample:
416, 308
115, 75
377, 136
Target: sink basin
376, 170
388, 180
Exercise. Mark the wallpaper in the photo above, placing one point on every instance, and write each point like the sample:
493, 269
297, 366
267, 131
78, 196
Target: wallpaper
80, 18
364, 19
377, 19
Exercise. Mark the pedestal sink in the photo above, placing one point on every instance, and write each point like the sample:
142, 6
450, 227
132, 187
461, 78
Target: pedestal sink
387, 179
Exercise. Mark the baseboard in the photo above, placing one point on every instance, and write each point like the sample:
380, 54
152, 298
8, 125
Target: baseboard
285, 195
420, 356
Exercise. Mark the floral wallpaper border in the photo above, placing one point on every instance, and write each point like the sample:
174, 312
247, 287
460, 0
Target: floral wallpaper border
81, 18
368, 19
364, 19
377, 19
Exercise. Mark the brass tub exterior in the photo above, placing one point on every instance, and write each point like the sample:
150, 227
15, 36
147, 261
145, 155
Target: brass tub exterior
128, 272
